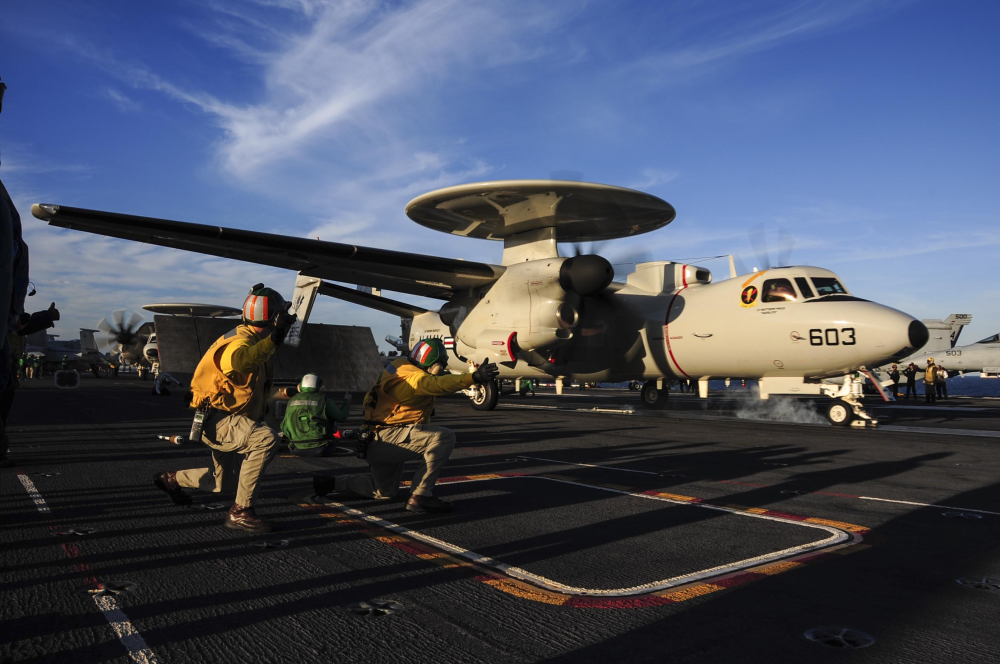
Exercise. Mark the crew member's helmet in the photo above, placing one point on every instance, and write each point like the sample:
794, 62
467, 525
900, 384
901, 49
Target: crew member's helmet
262, 305
429, 352
930, 360
310, 383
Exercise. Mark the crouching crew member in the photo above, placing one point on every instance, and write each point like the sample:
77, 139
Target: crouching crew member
233, 380
398, 429
161, 388
310, 419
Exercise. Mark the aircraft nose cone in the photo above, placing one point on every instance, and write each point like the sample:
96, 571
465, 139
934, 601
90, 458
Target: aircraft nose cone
918, 334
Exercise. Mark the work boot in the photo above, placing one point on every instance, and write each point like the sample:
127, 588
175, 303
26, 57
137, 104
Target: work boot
168, 482
428, 504
244, 518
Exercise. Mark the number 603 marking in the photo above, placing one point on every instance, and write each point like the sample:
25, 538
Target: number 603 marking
832, 337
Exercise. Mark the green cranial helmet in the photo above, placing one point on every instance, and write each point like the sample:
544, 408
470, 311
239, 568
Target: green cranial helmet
262, 305
310, 383
429, 352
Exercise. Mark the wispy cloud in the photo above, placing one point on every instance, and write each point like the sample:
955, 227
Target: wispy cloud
353, 57
734, 34
124, 103
20, 160
652, 178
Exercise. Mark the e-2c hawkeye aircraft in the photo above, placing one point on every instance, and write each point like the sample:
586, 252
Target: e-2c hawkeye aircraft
542, 315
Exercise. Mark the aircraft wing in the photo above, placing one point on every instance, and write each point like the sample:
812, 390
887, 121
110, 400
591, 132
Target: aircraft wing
430, 276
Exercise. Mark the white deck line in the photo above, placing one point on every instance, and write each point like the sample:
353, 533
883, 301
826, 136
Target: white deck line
940, 409
944, 507
836, 537
122, 626
940, 431
588, 465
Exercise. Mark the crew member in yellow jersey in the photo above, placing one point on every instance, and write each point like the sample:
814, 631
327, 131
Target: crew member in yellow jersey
397, 417
234, 380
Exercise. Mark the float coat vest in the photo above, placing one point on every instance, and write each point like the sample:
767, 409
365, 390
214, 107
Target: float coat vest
930, 375
305, 422
235, 392
404, 393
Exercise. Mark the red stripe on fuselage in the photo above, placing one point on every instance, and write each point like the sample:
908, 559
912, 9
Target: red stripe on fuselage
666, 323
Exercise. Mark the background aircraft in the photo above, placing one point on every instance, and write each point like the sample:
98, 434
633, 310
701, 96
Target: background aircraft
982, 356
543, 315
82, 354
125, 337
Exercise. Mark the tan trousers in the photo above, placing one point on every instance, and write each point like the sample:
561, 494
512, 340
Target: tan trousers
392, 447
241, 450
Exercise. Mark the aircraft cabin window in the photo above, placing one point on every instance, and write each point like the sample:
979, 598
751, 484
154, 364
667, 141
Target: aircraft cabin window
803, 283
828, 286
990, 340
778, 290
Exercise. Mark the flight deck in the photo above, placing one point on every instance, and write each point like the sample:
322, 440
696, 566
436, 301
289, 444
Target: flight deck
587, 529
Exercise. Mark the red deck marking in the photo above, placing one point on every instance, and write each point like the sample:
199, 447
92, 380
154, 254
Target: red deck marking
639, 602
736, 580
127, 634
524, 589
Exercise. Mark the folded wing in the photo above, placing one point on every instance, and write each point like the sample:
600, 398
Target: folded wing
430, 276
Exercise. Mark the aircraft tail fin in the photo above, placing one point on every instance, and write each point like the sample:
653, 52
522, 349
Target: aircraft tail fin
88, 344
303, 299
944, 333
957, 322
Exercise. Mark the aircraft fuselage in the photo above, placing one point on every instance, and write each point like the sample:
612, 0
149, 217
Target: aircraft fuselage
670, 321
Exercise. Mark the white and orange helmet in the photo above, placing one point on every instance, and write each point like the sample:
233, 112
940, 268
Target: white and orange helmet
262, 305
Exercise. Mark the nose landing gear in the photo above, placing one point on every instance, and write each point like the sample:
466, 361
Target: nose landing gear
846, 408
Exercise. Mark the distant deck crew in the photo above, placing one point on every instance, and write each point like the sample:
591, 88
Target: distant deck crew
941, 383
311, 419
930, 379
910, 373
894, 377
234, 380
397, 419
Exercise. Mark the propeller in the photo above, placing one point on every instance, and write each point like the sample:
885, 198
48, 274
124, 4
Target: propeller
761, 249
118, 331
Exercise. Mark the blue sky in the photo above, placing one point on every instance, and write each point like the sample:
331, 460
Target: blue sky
868, 130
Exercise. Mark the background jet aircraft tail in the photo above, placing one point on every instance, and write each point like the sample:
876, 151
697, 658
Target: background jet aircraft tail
944, 333
88, 343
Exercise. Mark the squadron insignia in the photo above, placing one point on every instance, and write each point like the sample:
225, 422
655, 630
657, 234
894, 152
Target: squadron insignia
749, 296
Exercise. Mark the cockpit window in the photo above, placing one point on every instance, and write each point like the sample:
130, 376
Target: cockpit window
828, 286
779, 290
990, 340
803, 283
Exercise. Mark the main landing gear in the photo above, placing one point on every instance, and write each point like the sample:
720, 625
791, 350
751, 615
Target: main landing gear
485, 396
653, 396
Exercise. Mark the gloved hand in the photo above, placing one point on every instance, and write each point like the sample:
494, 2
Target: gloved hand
282, 323
486, 372
40, 320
